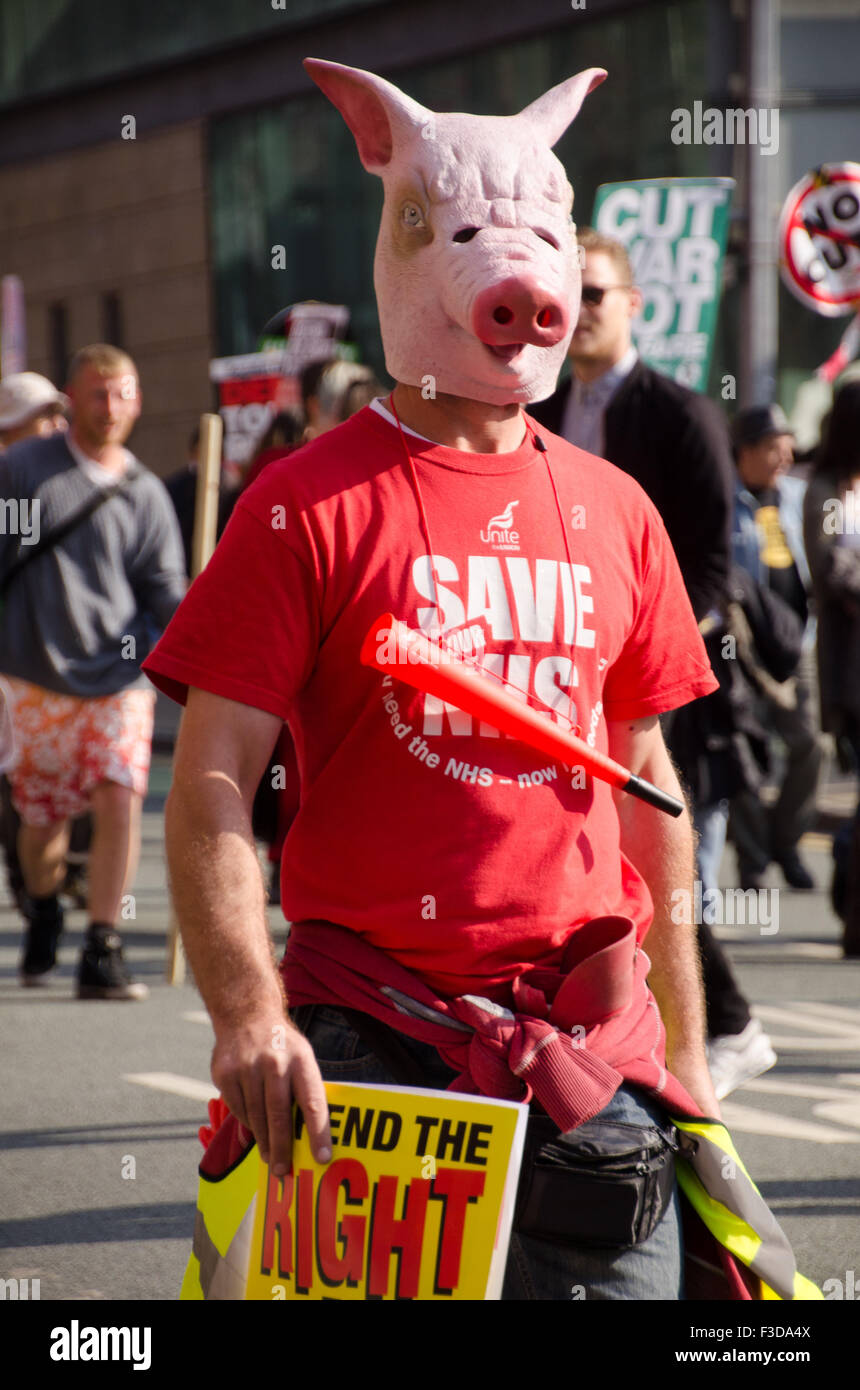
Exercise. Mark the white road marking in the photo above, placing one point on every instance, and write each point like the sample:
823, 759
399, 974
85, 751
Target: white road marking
840, 1106
175, 1085
796, 1017
837, 1028
842, 1112
774, 1085
751, 949
746, 1120
850, 1015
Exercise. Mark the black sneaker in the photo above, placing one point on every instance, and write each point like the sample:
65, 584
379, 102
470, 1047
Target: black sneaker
102, 973
795, 872
751, 880
44, 928
75, 886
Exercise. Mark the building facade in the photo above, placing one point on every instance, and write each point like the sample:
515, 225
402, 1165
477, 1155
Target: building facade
170, 177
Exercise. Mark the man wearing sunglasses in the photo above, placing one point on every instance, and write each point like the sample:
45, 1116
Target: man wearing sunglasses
673, 441
676, 444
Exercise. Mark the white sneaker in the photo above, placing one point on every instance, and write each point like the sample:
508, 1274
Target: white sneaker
738, 1057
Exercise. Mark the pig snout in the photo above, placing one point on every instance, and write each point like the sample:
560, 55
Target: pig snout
520, 310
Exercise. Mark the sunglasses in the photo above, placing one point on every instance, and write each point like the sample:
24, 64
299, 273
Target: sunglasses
593, 294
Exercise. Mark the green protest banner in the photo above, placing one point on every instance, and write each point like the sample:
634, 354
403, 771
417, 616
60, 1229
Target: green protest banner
675, 232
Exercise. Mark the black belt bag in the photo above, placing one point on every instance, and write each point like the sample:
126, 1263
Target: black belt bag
603, 1184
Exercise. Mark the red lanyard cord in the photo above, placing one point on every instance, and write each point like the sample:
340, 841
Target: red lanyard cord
422, 511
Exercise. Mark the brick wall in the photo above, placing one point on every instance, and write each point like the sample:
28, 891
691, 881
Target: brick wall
127, 217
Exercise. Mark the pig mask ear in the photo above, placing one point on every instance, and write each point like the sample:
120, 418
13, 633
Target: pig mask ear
553, 112
378, 113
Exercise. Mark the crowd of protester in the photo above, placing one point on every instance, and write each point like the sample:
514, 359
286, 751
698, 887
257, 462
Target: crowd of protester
87, 585
331, 391
734, 509
769, 553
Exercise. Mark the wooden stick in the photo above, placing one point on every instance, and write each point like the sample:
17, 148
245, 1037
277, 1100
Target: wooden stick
208, 484
202, 545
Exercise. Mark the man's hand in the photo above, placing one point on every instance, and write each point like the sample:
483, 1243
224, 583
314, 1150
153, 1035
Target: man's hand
261, 1062
260, 1067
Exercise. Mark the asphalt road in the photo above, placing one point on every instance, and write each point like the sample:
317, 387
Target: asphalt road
101, 1102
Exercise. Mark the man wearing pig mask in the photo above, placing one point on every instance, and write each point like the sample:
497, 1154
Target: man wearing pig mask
430, 854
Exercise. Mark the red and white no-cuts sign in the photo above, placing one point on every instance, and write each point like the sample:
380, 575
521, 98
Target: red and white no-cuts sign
819, 236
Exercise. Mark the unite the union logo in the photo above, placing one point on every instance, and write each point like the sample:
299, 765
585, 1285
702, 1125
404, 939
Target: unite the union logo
500, 533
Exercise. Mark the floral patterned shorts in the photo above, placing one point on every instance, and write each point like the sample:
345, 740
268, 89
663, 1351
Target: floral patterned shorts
66, 746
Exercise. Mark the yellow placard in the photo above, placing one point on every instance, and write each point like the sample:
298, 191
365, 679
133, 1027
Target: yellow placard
417, 1202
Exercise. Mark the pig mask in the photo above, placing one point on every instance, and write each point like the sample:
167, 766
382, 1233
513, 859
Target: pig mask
476, 273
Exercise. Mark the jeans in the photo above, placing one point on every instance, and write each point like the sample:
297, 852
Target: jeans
536, 1269
726, 1007
710, 823
762, 833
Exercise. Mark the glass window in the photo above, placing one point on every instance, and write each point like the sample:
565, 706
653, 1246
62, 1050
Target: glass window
290, 175
57, 44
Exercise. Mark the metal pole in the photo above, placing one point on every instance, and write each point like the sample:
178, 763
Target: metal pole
760, 321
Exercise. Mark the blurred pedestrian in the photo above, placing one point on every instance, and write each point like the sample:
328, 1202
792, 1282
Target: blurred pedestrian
29, 406
832, 535
86, 593
284, 433
767, 542
309, 381
344, 388
332, 391
32, 407
182, 491
675, 443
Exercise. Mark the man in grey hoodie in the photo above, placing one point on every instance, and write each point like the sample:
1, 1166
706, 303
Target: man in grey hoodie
91, 570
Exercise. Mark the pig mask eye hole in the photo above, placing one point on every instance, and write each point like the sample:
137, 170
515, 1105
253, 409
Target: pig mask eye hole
466, 234
410, 216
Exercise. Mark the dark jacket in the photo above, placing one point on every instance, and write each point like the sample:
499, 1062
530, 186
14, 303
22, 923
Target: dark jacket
675, 443
719, 742
182, 491
836, 584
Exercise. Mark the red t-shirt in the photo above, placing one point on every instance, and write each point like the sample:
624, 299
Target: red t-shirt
417, 829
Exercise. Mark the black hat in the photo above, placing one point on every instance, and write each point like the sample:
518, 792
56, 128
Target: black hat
757, 423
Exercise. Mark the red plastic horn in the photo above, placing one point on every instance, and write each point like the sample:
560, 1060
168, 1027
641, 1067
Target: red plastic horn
396, 650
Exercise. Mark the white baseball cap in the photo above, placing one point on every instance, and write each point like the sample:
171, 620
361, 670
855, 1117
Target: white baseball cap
25, 394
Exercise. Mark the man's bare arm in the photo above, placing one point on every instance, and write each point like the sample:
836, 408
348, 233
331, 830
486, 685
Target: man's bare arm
260, 1059
662, 849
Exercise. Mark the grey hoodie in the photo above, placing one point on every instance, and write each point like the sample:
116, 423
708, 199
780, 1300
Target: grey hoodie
80, 618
